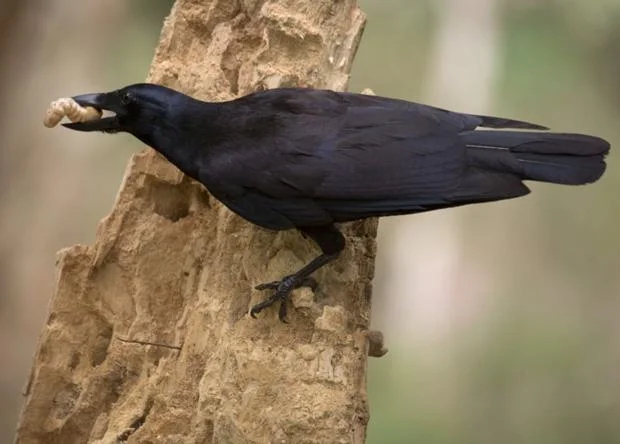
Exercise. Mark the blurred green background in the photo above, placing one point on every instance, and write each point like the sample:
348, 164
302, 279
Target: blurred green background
501, 318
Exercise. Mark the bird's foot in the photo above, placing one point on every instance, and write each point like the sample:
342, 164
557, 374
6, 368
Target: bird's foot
283, 289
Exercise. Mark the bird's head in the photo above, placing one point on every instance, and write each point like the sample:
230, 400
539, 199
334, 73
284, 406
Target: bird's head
131, 109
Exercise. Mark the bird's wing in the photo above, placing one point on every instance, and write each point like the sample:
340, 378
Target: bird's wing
318, 156
351, 146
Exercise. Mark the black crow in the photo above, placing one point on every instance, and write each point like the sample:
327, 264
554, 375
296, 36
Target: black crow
308, 159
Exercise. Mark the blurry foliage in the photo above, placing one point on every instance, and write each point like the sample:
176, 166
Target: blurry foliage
394, 51
540, 364
147, 16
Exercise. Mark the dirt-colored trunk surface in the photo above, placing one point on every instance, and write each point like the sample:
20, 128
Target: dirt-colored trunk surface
148, 338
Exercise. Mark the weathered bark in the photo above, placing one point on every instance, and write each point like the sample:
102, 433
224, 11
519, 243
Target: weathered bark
148, 337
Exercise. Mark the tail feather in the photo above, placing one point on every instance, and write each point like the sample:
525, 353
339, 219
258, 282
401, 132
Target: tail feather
571, 159
500, 122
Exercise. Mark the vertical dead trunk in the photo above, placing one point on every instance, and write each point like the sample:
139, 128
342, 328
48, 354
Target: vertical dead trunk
148, 338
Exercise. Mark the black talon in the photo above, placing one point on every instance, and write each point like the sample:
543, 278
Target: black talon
283, 290
331, 242
262, 305
268, 286
282, 312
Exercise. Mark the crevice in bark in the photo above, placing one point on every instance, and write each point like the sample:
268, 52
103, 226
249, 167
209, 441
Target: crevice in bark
137, 423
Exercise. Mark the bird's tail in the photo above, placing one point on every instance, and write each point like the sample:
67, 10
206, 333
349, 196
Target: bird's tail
572, 159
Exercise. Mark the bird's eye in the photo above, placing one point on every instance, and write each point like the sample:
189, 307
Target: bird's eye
126, 98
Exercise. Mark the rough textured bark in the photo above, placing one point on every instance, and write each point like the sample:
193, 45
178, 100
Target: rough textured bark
148, 338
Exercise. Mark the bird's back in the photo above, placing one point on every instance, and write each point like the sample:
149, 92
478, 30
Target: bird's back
301, 157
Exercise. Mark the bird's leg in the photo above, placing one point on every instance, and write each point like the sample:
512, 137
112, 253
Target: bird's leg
287, 284
309, 282
331, 242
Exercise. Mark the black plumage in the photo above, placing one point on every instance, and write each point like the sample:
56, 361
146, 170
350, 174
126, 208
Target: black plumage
307, 159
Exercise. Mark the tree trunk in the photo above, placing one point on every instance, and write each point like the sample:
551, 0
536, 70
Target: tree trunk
148, 338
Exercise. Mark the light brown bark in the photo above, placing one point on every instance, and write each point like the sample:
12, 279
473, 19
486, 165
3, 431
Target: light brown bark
148, 338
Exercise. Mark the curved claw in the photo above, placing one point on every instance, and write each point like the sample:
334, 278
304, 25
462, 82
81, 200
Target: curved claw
268, 286
282, 292
270, 301
282, 312
264, 304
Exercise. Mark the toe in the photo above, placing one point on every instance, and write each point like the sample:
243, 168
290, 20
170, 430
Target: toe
268, 286
282, 312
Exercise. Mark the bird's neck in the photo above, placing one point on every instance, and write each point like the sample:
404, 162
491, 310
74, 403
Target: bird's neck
184, 136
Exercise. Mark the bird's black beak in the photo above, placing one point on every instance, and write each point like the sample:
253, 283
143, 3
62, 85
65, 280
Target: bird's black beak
103, 102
